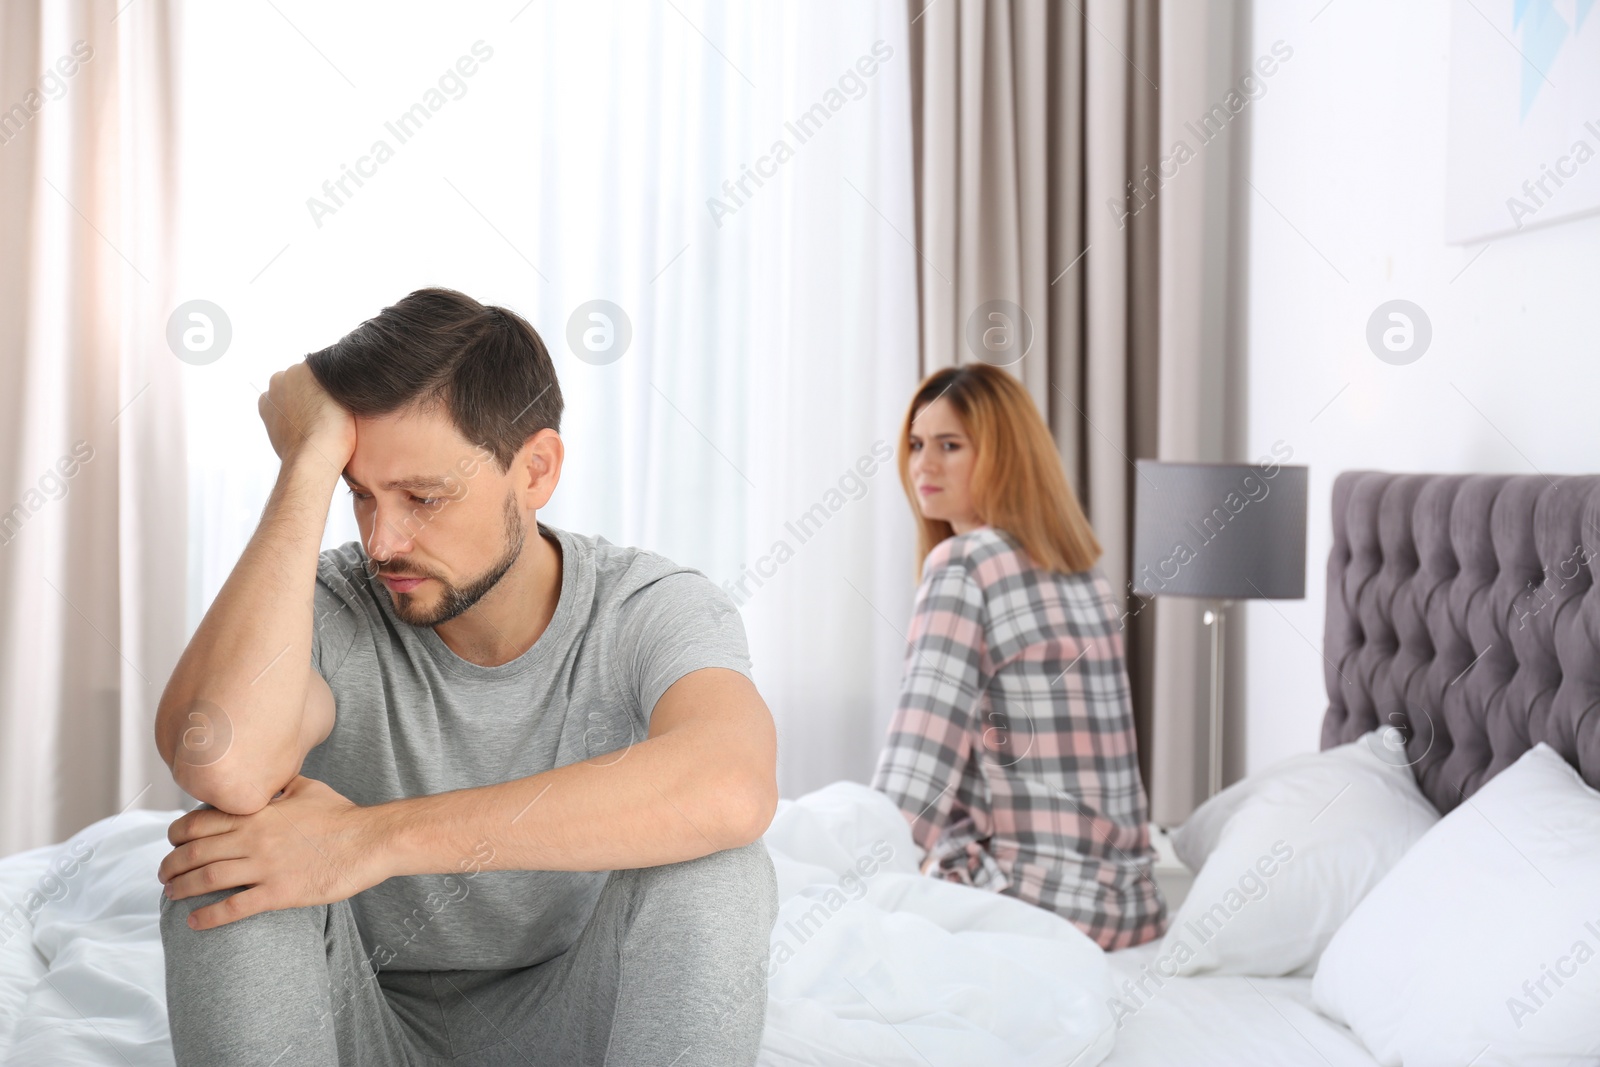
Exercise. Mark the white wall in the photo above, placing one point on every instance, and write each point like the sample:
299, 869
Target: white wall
1349, 149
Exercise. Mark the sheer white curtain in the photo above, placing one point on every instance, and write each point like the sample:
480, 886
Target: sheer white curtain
91, 445
737, 178
628, 153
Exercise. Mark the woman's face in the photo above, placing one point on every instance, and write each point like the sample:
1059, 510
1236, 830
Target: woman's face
941, 466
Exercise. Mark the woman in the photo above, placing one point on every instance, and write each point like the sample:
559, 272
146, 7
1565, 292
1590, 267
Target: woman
1012, 751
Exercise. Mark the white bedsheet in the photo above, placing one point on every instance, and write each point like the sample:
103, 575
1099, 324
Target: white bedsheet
1214, 1021
916, 971
872, 963
85, 985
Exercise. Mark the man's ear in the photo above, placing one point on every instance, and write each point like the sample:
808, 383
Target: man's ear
537, 468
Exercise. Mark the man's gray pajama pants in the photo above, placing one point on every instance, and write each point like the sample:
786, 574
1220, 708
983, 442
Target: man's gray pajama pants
670, 971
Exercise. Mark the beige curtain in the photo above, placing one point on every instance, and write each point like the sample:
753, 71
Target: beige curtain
1029, 118
92, 508
1032, 121
1204, 226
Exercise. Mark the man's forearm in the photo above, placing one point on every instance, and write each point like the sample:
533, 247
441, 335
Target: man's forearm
671, 798
242, 680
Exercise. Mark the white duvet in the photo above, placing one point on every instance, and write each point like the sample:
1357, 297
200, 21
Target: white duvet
871, 962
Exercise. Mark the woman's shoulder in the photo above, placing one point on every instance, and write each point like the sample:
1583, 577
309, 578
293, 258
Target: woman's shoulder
969, 549
998, 554
988, 554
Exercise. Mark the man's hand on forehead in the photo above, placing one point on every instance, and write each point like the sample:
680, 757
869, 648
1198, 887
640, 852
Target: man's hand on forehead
298, 413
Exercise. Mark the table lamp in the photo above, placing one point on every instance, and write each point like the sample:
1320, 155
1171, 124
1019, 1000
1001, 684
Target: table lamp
1222, 532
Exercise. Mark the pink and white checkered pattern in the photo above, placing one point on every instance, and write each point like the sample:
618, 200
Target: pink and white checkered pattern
1012, 750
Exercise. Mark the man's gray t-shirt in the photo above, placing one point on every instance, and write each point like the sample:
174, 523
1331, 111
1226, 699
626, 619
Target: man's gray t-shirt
413, 718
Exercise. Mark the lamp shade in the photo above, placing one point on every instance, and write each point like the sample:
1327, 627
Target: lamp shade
1227, 531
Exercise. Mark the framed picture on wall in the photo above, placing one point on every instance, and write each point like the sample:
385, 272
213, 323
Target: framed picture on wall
1524, 133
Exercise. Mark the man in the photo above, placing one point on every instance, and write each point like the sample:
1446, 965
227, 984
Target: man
473, 796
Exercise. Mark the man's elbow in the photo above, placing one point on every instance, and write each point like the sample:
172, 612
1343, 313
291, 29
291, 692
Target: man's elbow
230, 782
753, 800
200, 749
234, 794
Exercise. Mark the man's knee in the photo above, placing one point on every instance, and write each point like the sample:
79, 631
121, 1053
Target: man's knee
736, 881
711, 918
175, 929
267, 929
723, 904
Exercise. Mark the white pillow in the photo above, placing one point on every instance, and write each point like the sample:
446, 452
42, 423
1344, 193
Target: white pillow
1285, 856
1480, 946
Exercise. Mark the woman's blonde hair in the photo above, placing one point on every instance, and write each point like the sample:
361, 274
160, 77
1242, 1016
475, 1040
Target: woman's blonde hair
1018, 484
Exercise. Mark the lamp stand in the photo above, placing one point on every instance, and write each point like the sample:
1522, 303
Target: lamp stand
1214, 619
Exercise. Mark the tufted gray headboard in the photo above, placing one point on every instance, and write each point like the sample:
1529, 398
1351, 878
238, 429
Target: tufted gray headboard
1463, 611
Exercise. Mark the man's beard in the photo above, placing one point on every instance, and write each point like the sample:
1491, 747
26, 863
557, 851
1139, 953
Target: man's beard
457, 600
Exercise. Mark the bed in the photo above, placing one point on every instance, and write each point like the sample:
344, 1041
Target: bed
1461, 618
